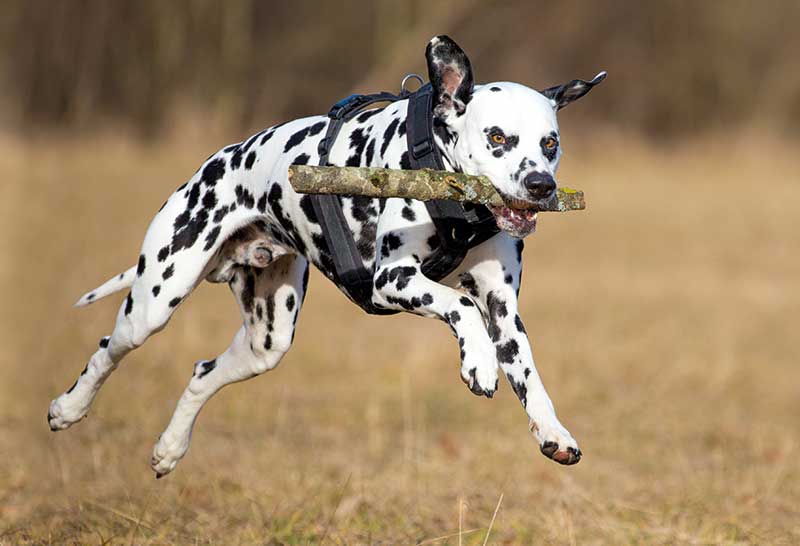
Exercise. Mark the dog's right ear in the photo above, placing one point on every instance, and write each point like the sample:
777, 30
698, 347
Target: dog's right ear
450, 73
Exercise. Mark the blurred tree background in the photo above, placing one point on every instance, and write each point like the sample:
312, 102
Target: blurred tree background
676, 67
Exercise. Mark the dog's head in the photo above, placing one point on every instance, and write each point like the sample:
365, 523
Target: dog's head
505, 131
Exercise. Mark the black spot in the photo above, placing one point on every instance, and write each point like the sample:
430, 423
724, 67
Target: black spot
290, 302
364, 116
408, 214
494, 88
519, 325
251, 158
550, 154
454, 317
163, 253
182, 219
206, 367
527, 372
506, 352
270, 311
301, 159
141, 265
194, 197
252, 140
427, 299
266, 137
358, 141
405, 163
244, 197
262, 203
317, 128
466, 302
370, 152
104, 342
387, 135
128, 304
213, 171
268, 342
301, 135
174, 302
248, 292
308, 209
259, 312
519, 246
402, 275
519, 389
168, 272
236, 159
401, 130
156, 290
187, 236
210, 199
90, 297
469, 284
497, 310
218, 215
211, 238
498, 150
390, 242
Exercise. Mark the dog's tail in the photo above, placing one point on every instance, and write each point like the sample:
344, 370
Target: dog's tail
114, 284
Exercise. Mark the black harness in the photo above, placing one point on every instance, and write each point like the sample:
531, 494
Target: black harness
458, 228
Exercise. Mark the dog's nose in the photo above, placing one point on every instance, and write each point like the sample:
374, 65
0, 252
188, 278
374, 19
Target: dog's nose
539, 185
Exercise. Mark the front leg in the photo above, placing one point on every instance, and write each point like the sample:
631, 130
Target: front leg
491, 274
401, 285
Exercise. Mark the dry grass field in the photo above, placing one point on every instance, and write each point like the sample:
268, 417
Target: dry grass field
665, 324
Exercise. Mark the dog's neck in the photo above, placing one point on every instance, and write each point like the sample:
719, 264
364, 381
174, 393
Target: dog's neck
446, 140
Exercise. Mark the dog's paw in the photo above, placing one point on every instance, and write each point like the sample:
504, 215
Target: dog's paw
556, 443
166, 455
481, 380
63, 412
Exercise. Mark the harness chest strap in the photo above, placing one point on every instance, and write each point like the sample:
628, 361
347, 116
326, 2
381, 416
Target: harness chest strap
458, 229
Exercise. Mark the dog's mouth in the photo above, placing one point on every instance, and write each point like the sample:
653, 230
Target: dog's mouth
516, 222
517, 217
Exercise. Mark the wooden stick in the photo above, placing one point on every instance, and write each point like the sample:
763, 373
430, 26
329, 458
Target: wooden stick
423, 185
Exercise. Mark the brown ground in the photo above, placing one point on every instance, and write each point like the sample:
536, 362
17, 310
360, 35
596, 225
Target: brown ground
664, 320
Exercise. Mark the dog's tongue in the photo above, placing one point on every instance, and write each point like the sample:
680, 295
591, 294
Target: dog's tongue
516, 222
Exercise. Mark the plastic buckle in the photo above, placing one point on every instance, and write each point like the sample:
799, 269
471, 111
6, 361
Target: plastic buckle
340, 109
422, 148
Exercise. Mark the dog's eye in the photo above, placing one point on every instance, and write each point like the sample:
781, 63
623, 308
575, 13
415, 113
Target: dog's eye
497, 138
550, 143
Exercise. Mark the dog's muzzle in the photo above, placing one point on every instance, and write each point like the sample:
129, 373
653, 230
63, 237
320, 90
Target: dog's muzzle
518, 217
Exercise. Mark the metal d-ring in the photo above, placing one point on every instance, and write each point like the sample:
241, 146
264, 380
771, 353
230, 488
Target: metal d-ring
409, 77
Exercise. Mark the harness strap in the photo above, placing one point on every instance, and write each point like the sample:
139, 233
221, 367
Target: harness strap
348, 264
458, 229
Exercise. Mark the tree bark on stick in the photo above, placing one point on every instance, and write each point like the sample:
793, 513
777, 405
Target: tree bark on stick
423, 185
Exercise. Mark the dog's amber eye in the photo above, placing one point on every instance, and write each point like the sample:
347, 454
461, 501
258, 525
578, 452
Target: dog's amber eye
550, 143
497, 138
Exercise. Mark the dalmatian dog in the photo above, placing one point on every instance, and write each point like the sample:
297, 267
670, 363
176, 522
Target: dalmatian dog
237, 220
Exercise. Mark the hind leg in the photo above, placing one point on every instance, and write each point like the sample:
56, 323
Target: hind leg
138, 318
170, 266
270, 301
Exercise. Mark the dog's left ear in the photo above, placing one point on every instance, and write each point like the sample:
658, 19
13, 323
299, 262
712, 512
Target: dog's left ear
562, 95
450, 73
